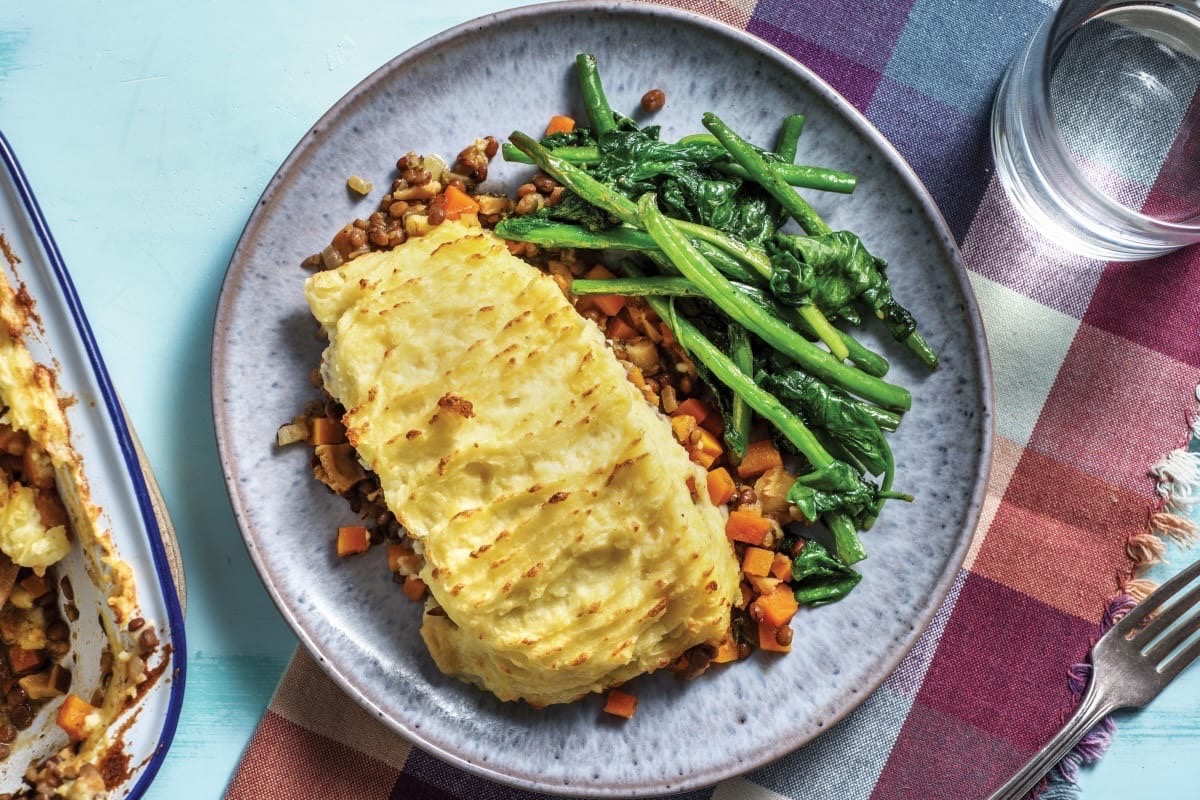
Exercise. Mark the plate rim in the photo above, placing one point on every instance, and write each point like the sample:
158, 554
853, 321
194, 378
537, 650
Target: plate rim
856, 119
132, 477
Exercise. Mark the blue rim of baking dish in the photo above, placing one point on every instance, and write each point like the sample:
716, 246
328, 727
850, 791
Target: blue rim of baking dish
133, 469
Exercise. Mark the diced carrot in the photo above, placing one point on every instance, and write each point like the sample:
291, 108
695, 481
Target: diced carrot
760, 457
618, 328
560, 124
720, 486
768, 637
757, 561
610, 304
73, 715
694, 408
599, 273
781, 567
352, 540
22, 660
620, 704
714, 424
747, 525
323, 430
414, 588
706, 450
456, 202
727, 650
779, 606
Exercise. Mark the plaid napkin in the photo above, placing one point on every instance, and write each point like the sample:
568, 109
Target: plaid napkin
1095, 368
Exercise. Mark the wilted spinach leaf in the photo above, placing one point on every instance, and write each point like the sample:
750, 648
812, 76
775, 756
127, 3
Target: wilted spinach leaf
835, 272
819, 578
844, 419
833, 487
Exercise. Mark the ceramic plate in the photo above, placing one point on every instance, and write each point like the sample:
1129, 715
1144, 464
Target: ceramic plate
127, 496
512, 71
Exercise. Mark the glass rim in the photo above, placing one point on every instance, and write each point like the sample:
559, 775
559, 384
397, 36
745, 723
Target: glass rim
1145, 223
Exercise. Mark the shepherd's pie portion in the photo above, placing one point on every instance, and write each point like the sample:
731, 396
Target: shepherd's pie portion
567, 547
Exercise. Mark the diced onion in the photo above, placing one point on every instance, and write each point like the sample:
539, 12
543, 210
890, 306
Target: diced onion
360, 185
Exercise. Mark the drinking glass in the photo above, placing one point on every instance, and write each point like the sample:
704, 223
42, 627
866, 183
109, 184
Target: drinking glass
1096, 128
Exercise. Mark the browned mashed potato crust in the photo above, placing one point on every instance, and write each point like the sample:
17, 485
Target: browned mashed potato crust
567, 548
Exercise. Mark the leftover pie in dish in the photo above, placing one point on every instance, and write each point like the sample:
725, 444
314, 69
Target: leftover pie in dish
67, 670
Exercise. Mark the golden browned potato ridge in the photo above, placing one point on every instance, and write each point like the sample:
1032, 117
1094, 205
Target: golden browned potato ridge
562, 541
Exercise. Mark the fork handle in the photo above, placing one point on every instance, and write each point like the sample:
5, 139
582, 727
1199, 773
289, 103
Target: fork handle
1092, 709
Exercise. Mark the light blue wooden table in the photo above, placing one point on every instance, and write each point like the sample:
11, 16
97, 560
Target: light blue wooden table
148, 131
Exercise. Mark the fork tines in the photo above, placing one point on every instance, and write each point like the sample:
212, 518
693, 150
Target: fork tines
1154, 625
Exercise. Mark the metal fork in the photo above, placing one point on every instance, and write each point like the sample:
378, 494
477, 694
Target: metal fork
1130, 665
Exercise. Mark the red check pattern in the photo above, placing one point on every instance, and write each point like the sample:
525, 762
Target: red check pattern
1095, 368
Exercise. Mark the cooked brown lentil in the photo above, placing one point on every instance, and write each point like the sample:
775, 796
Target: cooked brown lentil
653, 100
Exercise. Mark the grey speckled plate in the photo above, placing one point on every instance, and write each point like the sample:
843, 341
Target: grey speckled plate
512, 71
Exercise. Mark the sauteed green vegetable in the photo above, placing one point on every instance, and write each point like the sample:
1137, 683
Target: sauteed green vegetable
767, 313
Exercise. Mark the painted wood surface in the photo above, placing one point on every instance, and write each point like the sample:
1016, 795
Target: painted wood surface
148, 131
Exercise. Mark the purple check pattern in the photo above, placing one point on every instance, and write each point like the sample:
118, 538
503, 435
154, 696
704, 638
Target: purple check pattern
1095, 366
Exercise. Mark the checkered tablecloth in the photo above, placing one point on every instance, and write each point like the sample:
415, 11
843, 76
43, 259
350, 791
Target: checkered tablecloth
1095, 373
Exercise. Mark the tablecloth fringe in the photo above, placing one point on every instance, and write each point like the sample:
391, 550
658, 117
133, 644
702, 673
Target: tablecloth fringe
1177, 477
1062, 782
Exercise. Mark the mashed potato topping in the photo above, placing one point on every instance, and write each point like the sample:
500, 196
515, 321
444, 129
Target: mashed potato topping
23, 536
30, 405
567, 548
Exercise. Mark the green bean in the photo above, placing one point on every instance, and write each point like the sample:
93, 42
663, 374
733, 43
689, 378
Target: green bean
746, 312
656, 286
599, 112
800, 175
740, 414
789, 137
